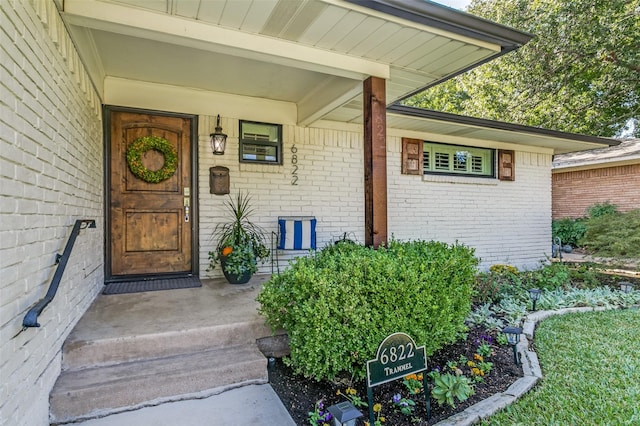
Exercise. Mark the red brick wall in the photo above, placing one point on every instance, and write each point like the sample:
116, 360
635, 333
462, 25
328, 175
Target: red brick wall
573, 192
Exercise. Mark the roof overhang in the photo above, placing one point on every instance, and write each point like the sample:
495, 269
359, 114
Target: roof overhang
592, 165
442, 123
312, 53
625, 154
435, 15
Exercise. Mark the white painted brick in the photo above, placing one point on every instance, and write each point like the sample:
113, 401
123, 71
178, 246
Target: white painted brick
506, 222
50, 172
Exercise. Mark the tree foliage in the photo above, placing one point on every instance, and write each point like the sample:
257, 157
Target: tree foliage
580, 73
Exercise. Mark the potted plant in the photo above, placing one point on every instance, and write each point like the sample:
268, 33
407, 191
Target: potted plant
241, 243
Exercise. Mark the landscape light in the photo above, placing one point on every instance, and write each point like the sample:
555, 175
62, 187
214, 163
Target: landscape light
534, 295
626, 286
513, 337
344, 414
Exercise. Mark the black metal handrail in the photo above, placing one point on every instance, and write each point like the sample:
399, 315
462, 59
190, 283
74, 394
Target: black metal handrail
31, 318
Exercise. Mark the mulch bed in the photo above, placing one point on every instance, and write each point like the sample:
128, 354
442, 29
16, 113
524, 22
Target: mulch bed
299, 395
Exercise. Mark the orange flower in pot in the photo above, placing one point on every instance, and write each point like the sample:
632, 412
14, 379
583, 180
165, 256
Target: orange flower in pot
240, 242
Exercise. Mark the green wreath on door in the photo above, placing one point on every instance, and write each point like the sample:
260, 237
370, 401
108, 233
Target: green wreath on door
144, 144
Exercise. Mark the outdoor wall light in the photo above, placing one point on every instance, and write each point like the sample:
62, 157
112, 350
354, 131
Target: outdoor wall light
626, 286
534, 295
218, 139
344, 414
513, 337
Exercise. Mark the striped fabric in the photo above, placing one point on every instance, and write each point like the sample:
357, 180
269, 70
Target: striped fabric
297, 233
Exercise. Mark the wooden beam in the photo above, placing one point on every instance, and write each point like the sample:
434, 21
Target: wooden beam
375, 162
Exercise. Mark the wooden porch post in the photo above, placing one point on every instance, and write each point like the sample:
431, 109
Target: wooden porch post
375, 162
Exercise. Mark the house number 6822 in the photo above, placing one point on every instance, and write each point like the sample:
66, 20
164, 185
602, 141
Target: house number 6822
396, 353
294, 165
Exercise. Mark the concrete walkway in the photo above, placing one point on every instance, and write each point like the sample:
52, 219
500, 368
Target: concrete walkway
254, 405
622, 267
631, 265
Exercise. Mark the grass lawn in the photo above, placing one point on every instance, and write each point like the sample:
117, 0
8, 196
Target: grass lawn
591, 368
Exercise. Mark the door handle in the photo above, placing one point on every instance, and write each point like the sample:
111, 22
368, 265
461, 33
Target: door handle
187, 203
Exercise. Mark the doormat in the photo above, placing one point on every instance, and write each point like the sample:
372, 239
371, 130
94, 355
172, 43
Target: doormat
151, 285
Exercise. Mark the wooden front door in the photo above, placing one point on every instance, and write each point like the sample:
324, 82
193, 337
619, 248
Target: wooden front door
151, 224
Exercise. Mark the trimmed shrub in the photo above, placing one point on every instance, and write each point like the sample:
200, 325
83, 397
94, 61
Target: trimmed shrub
340, 303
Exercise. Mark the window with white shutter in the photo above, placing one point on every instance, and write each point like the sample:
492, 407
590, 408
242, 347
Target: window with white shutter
441, 158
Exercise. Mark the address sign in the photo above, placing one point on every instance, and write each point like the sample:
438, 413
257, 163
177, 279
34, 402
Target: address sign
398, 356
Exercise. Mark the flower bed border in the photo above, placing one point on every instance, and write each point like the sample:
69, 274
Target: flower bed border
530, 367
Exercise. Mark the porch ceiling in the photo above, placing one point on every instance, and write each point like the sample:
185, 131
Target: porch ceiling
314, 53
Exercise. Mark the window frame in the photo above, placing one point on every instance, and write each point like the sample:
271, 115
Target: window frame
451, 151
243, 142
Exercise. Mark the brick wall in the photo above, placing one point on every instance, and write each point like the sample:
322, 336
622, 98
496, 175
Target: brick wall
507, 222
329, 185
575, 191
50, 175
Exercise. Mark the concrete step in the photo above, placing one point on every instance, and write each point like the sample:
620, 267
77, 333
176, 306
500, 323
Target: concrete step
88, 353
95, 392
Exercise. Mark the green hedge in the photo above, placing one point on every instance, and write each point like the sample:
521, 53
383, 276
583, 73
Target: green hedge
340, 303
